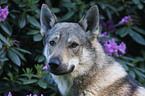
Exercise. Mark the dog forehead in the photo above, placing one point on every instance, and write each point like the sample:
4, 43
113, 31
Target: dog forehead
70, 30
67, 28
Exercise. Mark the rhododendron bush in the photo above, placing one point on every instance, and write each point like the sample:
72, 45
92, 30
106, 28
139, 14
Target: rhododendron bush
23, 67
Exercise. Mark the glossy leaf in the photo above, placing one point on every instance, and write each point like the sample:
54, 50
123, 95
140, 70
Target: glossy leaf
1, 44
42, 84
68, 15
7, 28
2, 59
137, 37
19, 54
33, 21
37, 37
123, 31
22, 20
23, 50
4, 40
33, 32
137, 29
14, 57
29, 81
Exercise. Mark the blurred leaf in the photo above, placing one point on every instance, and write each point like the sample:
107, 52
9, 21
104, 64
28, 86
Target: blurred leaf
109, 14
7, 28
4, 40
29, 75
132, 73
19, 54
30, 81
22, 20
113, 8
33, 32
2, 59
55, 10
68, 15
33, 21
37, 37
140, 6
139, 30
42, 84
140, 74
137, 37
122, 32
1, 44
68, 5
128, 58
14, 57
41, 58
3, 1
136, 1
23, 50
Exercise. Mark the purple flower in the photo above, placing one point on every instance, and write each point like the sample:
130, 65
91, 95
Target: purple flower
125, 20
113, 49
45, 67
103, 35
109, 26
122, 48
104, 25
9, 94
3, 13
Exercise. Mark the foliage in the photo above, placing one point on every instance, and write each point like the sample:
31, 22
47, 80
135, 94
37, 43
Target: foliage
21, 48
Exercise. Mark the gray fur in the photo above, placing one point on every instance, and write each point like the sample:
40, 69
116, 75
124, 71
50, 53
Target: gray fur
84, 69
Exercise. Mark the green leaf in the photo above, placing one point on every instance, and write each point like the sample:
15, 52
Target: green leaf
2, 59
19, 54
55, 10
137, 37
29, 75
68, 15
42, 84
136, 1
1, 44
128, 58
140, 6
7, 28
33, 32
14, 57
41, 58
22, 20
132, 73
33, 21
4, 40
23, 50
137, 29
109, 14
37, 37
29, 81
123, 31
140, 74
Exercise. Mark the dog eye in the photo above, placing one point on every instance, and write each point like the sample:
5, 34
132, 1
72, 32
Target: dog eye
52, 43
73, 45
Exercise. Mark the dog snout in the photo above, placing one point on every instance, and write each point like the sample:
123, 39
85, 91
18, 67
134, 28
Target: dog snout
54, 63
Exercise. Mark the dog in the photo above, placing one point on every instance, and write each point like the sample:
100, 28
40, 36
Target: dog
77, 61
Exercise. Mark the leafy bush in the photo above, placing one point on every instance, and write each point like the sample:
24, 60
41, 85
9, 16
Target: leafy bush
21, 48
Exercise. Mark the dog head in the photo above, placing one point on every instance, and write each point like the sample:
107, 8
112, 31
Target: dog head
68, 46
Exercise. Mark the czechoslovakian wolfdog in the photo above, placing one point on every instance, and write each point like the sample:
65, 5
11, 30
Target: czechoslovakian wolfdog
77, 61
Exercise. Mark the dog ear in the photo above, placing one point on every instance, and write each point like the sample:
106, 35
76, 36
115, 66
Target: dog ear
47, 19
90, 21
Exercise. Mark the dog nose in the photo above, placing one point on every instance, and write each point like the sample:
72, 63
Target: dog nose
54, 63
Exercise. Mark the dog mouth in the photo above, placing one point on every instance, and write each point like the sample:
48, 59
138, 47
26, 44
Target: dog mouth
62, 71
